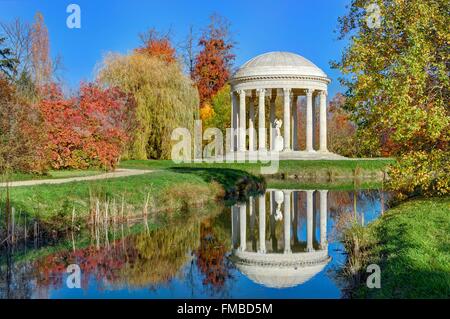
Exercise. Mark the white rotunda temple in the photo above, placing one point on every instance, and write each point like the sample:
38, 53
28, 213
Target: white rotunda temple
257, 84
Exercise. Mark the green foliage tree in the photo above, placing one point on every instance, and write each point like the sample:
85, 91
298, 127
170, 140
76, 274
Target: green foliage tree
397, 77
7, 62
221, 105
165, 97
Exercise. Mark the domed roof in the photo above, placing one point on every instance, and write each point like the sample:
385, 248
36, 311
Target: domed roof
279, 63
280, 277
277, 270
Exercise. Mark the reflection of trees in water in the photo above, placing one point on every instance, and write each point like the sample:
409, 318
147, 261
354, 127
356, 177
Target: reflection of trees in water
160, 255
343, 208
141, 259
14, 280
211, 256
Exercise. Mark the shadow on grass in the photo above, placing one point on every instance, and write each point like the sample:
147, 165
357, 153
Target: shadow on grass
237, 184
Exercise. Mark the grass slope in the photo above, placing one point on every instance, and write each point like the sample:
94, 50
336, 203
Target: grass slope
411, 243
345, 168
168, 189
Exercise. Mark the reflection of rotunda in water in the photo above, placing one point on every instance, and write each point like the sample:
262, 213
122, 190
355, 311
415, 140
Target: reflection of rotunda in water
277, 240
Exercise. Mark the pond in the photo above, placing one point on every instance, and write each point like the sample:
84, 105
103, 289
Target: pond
283, 244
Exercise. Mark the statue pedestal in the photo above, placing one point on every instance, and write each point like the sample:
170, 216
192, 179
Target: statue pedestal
279, 143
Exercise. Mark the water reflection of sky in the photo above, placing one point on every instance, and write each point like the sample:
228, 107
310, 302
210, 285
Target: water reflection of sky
190, 280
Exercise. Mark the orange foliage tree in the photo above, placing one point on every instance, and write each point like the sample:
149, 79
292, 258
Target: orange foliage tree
157, 45
213, 63
88, 130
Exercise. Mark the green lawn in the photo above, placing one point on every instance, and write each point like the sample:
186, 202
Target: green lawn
168, 189
411, 243
343, 168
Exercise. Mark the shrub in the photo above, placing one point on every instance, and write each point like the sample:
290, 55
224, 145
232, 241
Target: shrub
426, 173
88, 130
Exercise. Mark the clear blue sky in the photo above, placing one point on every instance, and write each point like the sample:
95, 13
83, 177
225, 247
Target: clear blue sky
306, 27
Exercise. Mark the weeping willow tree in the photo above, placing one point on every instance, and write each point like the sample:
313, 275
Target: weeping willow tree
165, 97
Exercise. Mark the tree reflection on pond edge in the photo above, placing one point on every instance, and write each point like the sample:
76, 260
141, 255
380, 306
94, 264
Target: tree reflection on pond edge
291, 250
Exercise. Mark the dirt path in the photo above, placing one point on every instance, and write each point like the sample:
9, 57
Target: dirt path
122, 172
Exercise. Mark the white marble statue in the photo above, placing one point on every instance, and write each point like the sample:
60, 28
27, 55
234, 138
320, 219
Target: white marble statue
279, 199
279, 140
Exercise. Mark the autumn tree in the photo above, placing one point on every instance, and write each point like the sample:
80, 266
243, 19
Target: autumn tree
157, 45
396, 71
341, 130
40, 52
213, 63
166, 99
88, 130
221, 110
22, 133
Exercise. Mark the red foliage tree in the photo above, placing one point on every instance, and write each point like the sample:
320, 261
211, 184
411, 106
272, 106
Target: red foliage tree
213, 63
157, 45
89, 130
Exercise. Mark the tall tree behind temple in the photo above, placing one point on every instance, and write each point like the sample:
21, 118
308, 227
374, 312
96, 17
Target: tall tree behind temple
341, 131
40, 52
189, 51
213, 63
157, 45
166, 99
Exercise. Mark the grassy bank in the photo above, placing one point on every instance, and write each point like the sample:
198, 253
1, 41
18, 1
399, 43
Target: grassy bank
163, 190
411, 244
309, 169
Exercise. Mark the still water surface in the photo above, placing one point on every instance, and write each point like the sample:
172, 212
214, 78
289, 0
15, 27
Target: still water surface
283, 244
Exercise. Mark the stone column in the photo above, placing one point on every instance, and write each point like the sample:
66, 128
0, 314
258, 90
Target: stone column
251, 126
323, 218
272, 124
242, 121
243, 226
234, 225
309, 220
252, 213
262, 120
323, 121
287, 120
294, 124
309, 121
287, 222
234, 122
262, 224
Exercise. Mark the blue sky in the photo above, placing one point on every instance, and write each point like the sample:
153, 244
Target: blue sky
306, 27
